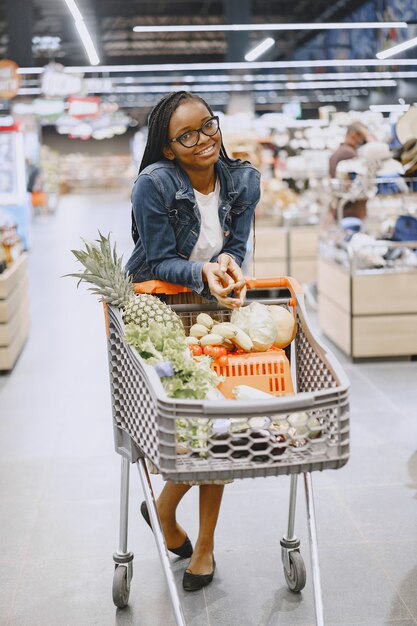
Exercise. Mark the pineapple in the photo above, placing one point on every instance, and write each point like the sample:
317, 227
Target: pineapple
104, 270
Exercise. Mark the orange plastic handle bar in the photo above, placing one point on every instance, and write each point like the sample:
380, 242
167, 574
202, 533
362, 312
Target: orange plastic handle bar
158, 286
284, 282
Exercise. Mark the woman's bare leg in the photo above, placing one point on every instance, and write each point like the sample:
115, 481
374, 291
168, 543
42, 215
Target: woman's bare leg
167, 502
210, 500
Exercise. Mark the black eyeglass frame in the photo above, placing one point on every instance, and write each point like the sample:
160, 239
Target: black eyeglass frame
198, 131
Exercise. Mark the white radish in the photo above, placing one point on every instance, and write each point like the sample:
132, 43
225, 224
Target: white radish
205, 320
234, 334
242, 340
198, 330
211, 340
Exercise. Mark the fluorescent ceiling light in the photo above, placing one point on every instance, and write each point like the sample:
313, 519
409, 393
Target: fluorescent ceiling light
75, 11
388, 108
177, 28
29, 91
390, 52
87, 42
83, 32
255, 88
191, 67
256, 52
340, 84
358, 75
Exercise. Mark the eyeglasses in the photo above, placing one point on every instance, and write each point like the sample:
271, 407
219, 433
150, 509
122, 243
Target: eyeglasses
192, 137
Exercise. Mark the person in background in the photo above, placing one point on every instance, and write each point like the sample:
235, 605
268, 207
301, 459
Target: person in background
33, 177
192, 211
356, 135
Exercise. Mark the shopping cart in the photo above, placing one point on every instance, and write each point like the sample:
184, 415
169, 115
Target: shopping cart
146, 421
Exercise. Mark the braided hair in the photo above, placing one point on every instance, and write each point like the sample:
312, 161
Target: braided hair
158, 123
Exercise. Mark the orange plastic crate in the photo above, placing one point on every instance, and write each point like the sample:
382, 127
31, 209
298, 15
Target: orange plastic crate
268, 371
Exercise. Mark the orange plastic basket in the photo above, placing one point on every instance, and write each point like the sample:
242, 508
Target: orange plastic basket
39, 198
268, 371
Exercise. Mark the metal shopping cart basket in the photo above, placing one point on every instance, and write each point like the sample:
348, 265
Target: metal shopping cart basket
145, 422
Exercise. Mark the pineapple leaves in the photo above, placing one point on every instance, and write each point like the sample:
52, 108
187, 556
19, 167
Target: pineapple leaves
103, 269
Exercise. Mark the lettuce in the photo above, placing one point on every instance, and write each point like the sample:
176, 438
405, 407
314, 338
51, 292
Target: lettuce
192, 377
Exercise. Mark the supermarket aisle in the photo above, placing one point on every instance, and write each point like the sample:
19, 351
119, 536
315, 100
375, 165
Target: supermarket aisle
59, 481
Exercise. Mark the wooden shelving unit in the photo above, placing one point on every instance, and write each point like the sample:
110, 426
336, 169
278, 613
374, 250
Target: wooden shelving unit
14, 312
287, 251
369, 314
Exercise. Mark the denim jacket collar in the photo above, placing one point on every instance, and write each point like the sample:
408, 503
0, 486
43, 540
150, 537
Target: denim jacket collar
228, 192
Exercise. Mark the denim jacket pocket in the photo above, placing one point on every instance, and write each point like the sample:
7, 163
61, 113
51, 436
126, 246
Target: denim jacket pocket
237, 209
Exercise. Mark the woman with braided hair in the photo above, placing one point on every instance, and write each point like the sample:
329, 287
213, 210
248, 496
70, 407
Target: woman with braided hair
192, 210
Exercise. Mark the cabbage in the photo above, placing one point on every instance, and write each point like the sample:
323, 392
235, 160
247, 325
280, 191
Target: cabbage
257, 321
285, 325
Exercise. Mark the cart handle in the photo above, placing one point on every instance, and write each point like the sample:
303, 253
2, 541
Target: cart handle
289, 404
283, 282
158, 286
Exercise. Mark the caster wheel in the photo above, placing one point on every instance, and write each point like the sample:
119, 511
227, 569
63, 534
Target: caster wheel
296, 577
121, 588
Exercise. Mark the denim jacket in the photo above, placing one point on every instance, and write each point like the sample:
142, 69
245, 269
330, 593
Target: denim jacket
168, 220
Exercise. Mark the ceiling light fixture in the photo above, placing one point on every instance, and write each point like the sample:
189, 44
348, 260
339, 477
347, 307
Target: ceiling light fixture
390, 52
358, 75
191, 67
338, 84
256, 52
83, 32
272, 87
388, 108
177, 28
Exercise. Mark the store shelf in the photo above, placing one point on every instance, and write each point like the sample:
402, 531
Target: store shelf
12, 276
287, 251
369, 314
14, 312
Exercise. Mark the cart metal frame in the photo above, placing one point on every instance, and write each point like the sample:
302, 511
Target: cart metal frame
144, 420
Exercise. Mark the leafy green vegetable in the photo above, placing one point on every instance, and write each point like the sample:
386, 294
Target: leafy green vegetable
193, 377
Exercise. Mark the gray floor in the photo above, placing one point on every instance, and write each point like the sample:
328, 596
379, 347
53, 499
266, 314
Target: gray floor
59, 482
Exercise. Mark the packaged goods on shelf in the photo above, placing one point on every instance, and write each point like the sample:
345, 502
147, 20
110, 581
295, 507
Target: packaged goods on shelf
10, 242
80, 171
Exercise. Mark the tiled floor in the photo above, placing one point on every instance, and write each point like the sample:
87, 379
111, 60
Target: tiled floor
59, 482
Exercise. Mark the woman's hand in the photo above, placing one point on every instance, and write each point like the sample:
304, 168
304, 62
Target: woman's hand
229, 266
224, 277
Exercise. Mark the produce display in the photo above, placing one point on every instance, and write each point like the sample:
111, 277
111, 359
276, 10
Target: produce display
188, 366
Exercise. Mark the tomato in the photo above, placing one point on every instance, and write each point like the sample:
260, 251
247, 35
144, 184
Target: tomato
218, 351
223, 361
196, 350
208, 350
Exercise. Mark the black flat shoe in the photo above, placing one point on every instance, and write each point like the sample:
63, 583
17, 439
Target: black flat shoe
184, 551
195, 582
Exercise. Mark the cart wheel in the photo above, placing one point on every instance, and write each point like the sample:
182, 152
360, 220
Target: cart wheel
121, 588
296, 577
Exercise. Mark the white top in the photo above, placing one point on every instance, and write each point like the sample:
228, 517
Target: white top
210, 240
